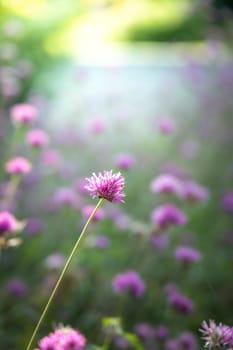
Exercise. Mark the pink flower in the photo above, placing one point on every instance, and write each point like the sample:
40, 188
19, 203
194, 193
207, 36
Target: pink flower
125, 161
167, 184
18, 165
108, 186
37, 138
97, 125
193, 192
167, 215
129, 282
8, 223
187, 254
63, 338
23, 113
180, 303
166, 126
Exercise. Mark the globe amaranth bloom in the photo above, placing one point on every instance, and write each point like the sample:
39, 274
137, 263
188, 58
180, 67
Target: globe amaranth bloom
125, 161
187, 254
180, 303
37, 138
217, 336
63, 338
129, 282
8, 223
193, 192
107, 185
18, 165
167, 184
23, 113
167, 215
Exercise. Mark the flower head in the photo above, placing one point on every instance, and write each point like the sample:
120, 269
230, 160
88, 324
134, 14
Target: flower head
18, 165
64, 338
167, 215
37, 138
216, 336
167, 184
129, 282
23, 113
180, 303
187, 254
107, 185
8, 223
125, 161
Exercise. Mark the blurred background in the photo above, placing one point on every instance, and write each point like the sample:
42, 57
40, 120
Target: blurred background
140, 86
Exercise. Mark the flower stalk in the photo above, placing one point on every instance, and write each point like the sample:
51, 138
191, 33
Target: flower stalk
65, 268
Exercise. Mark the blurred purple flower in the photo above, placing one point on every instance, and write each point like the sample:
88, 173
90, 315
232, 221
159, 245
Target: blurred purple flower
166, 126
63, 338
193, 192
108, 186
97, 126
16, 287
187, 254
187, 341
159, 241
143, 330
51, 158
55, 261
34, 226
161, 332
65, 196
129, 282
180, 303
37, 138
167, 215
172, 344
23, 113
8, 223
18, 165
101, 242
167, 184
125, 161
227, 201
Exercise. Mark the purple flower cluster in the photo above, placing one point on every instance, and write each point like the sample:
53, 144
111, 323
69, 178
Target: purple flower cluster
187, 254
129, 282
64, 338
179, 302
107, 185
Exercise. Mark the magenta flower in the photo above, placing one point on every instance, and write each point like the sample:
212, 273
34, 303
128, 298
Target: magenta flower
193, 192
167, 215
129, 282
37, 138
167, 184
125, 161
101, 242
166, 126
23, 113
161, 332
16, 287
97, 126
144, 330
187, 254
8, 223
18, 165
108, 186
180, 303
64, 338
227, 201
187, 341
217, 336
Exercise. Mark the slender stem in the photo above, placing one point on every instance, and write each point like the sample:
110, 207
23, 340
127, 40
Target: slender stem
11, 190
67, 264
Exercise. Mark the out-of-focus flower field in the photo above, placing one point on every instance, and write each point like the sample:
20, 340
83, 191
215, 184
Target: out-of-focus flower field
151, 269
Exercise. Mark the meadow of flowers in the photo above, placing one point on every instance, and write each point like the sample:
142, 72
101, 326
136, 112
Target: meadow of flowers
154, 267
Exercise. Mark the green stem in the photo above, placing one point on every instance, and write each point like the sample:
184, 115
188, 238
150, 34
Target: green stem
67, 264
